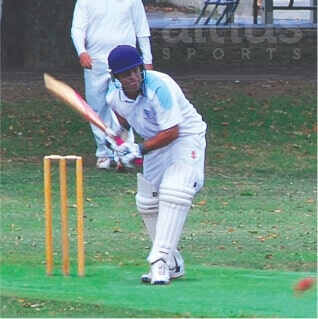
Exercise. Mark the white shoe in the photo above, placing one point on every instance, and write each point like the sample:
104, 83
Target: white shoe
175, 272
103, 162
178, 270
160, 273
146, 278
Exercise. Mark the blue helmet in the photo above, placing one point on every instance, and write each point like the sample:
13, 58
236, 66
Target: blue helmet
123, 58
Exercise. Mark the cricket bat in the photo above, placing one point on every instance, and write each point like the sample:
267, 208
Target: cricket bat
74, 100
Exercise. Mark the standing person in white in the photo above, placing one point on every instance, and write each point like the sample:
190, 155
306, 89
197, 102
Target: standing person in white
97, 27
153, 104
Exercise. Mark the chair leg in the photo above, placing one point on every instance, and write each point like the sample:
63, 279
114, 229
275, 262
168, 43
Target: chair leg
201, 14
230, 14
211, 14
221, 16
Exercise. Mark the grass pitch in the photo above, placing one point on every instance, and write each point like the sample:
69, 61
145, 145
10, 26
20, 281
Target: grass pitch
250, 236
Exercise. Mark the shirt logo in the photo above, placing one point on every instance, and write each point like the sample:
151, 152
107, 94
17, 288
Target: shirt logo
147, 114
193, 155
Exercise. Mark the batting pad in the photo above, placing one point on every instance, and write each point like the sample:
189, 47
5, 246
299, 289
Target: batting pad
147, 203
175, 198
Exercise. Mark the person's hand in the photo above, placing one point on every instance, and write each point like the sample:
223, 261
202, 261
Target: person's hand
148, 66
85, 60
128, 153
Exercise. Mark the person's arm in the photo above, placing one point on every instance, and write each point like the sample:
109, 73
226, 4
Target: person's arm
161, 139
130, 152
145, 48
85, 60
78, 34
142, 31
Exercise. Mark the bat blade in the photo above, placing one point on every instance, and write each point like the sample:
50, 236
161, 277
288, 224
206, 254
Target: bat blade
74, 100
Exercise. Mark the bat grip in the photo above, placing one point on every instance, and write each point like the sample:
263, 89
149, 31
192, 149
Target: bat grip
119, 141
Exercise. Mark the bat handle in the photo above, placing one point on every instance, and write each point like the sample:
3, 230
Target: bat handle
137, 161
118, 140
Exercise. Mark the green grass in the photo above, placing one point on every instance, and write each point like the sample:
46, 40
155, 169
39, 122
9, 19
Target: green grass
250, 236
115, 290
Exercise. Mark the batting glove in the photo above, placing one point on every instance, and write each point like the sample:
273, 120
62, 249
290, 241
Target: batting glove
128, 153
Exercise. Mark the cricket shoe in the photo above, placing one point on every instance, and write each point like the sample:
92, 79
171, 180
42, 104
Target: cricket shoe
103, 162
178, 270
160, 273
175, 272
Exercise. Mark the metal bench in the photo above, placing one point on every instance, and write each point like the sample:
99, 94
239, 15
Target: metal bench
268, 7
227, 15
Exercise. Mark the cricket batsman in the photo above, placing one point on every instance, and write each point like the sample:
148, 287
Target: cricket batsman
173, 149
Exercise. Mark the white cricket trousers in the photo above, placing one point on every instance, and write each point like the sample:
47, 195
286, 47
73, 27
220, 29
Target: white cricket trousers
185, 149
96, 85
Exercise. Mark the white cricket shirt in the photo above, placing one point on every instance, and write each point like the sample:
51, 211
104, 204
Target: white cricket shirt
100, 25
161, 106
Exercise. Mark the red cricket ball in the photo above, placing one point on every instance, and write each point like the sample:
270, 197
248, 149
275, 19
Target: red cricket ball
305, 284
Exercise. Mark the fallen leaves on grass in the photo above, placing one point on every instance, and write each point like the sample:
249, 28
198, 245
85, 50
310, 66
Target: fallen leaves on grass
200, 203
246, 194
28, 304
117, 229
131, 192
261, 238
264, 238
